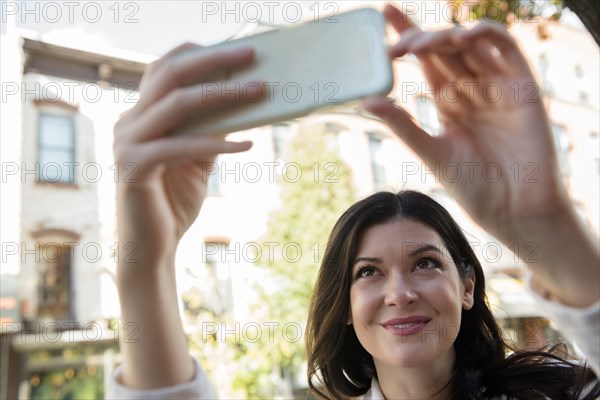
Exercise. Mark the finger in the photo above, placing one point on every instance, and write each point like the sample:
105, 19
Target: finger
438, 42
182, 47
452, 67
482, 59
174, 150
438, 71
171, 53
452, 57
183, 103
185, 148
445, 54
177, 71
436, 79
495, 36
433, 74
402, 124
401, 48
399, 21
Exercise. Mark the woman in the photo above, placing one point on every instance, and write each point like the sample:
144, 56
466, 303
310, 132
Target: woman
159, 203
400, 308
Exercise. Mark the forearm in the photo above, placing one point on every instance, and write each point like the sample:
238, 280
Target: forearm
563, 255
157, 355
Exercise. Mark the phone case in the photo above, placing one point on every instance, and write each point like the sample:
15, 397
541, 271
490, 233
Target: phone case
322, 63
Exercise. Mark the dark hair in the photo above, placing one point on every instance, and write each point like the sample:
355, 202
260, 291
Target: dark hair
338, 365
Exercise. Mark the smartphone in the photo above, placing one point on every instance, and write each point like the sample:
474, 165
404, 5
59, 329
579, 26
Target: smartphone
316, 64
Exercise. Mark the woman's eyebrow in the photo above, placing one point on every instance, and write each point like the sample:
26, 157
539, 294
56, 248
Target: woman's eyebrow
423, 248
368, 259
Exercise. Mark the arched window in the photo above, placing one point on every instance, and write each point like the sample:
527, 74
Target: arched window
54, 263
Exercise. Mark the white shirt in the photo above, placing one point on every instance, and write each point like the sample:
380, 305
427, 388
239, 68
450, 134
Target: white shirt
198, 388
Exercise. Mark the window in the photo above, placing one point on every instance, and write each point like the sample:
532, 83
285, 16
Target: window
377, 161
214, 179
56, 148
215, 258
331, 134
54, 281
427, 115
544, 68
562, 143
582, 93
281, 141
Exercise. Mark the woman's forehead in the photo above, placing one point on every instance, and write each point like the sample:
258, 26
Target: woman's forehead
401, 233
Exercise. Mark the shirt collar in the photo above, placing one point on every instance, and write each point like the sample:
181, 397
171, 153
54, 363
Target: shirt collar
375, 392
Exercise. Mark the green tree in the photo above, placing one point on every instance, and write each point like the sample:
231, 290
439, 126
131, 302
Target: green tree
316, 187
78, 383
507, 11
504, 11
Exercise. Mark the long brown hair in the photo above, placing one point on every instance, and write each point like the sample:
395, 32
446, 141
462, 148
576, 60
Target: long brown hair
338, 365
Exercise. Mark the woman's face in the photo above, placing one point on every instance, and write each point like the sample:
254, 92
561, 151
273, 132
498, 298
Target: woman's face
406, 296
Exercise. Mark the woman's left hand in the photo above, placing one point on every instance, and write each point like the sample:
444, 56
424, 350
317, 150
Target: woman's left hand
497, 142
495, 152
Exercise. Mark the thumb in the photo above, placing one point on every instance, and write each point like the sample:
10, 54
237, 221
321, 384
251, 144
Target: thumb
404, 126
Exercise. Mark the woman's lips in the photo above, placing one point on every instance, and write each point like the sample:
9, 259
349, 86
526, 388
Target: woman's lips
406, 326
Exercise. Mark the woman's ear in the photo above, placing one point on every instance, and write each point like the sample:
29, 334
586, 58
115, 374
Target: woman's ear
468, 298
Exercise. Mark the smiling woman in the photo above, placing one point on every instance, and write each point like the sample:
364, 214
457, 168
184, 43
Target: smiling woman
405, 305
399, 308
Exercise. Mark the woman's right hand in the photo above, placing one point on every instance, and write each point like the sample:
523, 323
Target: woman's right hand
162, 179
162, 184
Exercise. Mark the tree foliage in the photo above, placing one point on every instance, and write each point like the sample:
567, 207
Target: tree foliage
77, 382
508, 11
314, 192
504, 11
315, 187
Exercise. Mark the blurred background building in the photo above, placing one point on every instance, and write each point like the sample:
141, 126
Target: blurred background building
59, 307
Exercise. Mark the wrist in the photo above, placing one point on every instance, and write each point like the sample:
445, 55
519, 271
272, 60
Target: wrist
563, 255
144, 272
540, 217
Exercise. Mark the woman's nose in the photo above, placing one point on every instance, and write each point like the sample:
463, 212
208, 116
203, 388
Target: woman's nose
399, 291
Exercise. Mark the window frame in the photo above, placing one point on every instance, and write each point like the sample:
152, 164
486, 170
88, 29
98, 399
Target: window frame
379, 175
65, 306
71, 149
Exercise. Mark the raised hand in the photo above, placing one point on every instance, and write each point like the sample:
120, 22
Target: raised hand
161, 188
163, 182
494, 126
495, 130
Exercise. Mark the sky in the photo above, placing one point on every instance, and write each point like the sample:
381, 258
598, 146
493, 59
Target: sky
143, 30
146, 29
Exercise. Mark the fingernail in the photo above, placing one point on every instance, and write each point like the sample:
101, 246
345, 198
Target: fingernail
243, 144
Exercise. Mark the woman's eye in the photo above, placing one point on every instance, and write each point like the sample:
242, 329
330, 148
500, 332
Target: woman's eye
426, 263
365, 271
